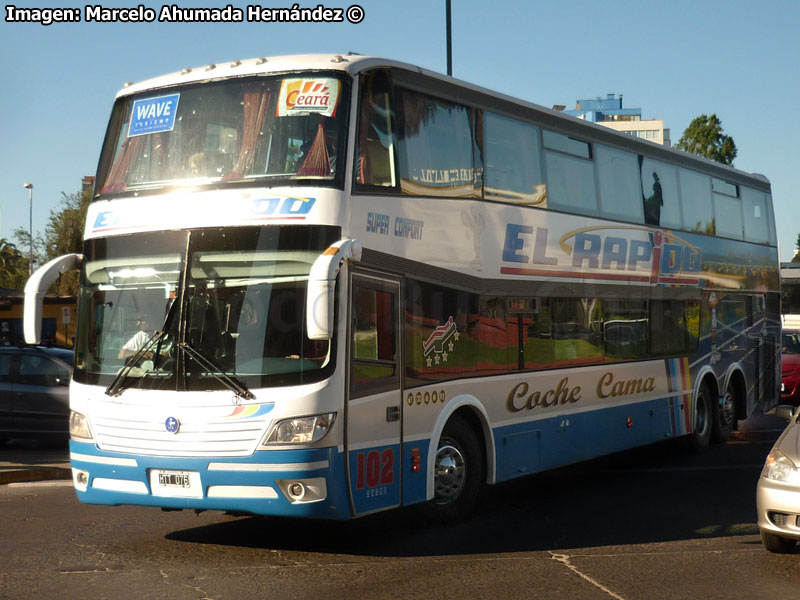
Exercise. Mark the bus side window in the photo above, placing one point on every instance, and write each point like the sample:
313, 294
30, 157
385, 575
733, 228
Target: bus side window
756, 216
662, 206
374, 165
618, 179
437, 147
374, 338
698, 214
727, 209
570, 174
513, 170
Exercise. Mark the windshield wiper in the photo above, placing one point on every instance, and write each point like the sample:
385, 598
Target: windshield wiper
115, 388
231, 383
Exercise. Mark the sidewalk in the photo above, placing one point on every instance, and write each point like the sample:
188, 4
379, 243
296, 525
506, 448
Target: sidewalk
22, 460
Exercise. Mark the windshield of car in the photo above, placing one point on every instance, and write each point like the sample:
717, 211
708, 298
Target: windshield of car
790, 342
200, 310
286, 129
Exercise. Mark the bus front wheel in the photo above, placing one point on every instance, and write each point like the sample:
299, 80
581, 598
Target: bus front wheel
458, 473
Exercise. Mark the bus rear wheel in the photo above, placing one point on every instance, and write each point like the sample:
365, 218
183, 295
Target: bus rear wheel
458, 473
724, 415
700, 438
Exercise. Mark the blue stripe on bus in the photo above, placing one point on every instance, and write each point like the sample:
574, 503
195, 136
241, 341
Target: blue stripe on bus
540, 445
336, 505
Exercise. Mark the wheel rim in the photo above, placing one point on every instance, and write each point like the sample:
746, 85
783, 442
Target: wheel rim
451, 473
728, 403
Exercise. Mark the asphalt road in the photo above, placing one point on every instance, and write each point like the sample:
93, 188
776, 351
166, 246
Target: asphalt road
653, 523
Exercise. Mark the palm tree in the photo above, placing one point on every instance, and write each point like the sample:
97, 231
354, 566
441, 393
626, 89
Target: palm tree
13, 266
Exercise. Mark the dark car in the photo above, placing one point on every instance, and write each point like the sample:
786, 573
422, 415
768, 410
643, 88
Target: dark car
790, 366
34, 392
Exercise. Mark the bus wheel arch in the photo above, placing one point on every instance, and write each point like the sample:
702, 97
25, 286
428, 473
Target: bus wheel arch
730, 406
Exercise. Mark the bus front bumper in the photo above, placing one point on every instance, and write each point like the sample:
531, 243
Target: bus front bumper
297, 483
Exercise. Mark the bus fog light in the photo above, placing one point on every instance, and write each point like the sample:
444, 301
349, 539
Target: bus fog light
297, 491
80, 479
303, 491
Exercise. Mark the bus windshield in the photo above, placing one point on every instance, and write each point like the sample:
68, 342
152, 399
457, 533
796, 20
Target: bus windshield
228, 305
283, 129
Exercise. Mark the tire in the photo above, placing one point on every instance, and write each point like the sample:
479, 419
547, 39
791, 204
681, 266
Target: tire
458, 475
700, 439
777, 544
724, 415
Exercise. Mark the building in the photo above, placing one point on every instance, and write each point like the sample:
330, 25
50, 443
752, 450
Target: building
87, 184
58, 319
609, 112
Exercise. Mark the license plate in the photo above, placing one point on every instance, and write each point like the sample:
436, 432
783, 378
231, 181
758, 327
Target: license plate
169, 483
177, 479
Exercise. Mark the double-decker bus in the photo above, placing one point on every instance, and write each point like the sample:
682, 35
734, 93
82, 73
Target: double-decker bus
325, 286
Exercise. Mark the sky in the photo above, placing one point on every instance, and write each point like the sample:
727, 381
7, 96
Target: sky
674, 60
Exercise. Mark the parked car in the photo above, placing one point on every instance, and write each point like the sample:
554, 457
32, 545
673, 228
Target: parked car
778, 490
34, 397
790, 366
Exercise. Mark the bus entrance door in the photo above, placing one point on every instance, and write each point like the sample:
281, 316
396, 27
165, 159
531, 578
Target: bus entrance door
374, 400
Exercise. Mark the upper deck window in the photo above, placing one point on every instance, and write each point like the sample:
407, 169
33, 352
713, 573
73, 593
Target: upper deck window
437, 154
264, 130
757, 219
374, 165
570, 174
698, 214
727, 209
660, 194
513, 161
618, 179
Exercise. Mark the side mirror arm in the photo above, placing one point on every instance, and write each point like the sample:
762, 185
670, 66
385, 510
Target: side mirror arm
322, 286
36, 288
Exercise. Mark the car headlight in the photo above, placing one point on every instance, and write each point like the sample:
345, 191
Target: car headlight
302, 430
79, 429
780, 468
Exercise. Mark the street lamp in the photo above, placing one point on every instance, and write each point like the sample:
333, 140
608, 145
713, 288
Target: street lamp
448, 16
29, 187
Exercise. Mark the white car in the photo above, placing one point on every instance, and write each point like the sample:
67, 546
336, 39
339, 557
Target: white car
778, 491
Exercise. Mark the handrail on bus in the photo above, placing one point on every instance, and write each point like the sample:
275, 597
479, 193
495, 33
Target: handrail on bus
322, 284
36, 288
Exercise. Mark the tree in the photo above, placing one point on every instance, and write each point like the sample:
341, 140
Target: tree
22, 241
13, 266
704, 136
64, 234
796, 257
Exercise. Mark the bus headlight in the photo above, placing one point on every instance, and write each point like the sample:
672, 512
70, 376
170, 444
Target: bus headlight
79, 429
302, 430
780, 468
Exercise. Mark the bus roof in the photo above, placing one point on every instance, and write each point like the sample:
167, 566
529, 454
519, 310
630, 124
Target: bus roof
355, 63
